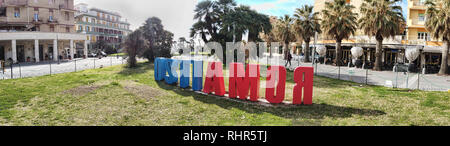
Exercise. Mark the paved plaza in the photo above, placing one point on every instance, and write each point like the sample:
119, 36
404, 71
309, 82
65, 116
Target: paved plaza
51, 67
382, 78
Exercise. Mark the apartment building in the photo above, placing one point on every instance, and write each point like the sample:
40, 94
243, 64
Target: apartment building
393, 48
38, 30
99, 24
431, 56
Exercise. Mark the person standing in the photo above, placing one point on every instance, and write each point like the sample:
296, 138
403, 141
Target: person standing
288, 57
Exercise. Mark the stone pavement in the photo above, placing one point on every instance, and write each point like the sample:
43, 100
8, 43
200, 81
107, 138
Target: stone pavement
45, 68
428, 82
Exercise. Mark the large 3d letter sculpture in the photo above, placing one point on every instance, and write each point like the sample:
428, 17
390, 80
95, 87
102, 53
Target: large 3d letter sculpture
275, 74
303, 77
185, 71
171, 67
158, 63
240, 81
214, 79
197, 75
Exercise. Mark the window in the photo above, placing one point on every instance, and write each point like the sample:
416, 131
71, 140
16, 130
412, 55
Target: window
36, 16
37, 28
67, 29
67, 16
87, 29
80, 28
421, 17
52, 28
422, 36
17, 12
50, 17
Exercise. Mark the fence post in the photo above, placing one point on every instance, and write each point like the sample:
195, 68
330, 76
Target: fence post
418, 81
94, 63
367, 76
75, 65
12, 76
50, 62
339, 72
20, 71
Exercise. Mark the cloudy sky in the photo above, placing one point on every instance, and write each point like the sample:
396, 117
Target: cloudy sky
177, 15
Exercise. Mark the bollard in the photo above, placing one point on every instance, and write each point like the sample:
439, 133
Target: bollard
110, 60
94, 63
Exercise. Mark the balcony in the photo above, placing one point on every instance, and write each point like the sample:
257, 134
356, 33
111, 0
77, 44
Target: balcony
52, 20
418, 5
16, 2
66, 7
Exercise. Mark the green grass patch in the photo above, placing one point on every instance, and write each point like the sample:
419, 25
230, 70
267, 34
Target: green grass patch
123, 96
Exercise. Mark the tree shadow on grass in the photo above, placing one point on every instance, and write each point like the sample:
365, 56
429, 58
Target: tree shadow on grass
141, 68
315, 111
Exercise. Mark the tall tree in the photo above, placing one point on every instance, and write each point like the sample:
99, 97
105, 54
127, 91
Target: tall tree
306, 26
244, 20
135, 44
438, 24
160, 40
339, 22
382, 19
284, 31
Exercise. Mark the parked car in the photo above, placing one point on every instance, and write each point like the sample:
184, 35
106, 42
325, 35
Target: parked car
92, 55
103, 54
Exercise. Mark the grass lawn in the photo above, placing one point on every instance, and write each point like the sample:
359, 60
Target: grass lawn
122, 96
117, 54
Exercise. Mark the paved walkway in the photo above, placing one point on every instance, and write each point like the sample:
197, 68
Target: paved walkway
45, 68
382, 78
427, 82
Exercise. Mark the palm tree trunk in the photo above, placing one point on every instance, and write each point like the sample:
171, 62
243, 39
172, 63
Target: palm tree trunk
338, 58
444, 62
378, 55
307, 52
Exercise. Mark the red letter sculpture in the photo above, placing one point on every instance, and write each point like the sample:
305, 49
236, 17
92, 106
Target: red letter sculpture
275, 74
214, 79
303, 77
241, 82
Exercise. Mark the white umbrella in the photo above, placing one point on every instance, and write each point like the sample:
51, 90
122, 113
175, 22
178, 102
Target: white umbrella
412, 53
321, 50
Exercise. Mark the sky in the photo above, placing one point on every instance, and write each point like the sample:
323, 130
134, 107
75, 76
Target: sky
177, 15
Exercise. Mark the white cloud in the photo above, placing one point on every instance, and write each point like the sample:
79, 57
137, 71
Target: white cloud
176, 15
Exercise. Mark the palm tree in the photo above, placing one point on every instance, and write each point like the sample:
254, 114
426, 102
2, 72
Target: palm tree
438, 20
135, 44
284, 31
339, 22
382, 19
306, 25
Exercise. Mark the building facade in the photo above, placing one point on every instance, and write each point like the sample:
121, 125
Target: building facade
38, 30
414, 36
99, 24
431, 56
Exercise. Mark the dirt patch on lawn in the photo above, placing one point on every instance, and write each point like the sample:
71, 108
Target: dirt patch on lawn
140, 90
82, 90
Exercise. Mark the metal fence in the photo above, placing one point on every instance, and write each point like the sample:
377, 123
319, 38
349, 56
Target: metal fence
23, 70
403, 80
